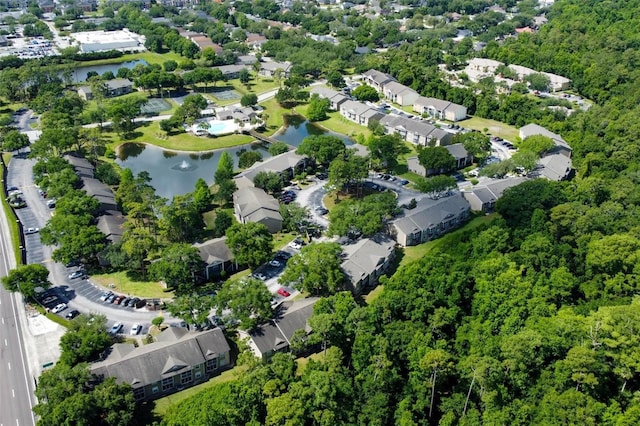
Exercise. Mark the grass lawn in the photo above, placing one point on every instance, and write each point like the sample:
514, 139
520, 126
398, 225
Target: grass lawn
150, 132
281, 239
162, 405
13, 226
495, 128
337, 123
418, 252
256, 85
124, 284
302, 362
276, 115
373, 294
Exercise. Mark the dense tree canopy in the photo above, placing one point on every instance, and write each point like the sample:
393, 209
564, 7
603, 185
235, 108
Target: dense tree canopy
315, 270
251, 243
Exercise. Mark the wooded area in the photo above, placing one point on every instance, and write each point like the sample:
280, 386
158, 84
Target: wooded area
528, 320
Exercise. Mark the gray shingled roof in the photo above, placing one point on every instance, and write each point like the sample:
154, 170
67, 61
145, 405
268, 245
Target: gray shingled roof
277, 333
534, 129
111, 225
430, 213
363, 257
214, 250
378, 77
254, 203
323, 92
355, 107
276, 164
175, 351
97, 189
457, 150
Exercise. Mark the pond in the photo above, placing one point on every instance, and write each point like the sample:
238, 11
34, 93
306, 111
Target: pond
299, 128
79, 74
174, 173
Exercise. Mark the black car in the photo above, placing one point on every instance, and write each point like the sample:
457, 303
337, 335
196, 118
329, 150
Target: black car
73, 263
71, 315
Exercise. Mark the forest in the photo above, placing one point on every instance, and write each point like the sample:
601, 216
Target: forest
529, 319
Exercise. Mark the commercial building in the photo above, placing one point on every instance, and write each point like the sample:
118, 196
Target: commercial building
97, 41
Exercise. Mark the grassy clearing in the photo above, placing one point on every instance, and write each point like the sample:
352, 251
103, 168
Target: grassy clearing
122, 283
151, 133
418, 252
373, 294
303, 362
493, 127
337, 123
276, 115
255, 85
162, 405
13, 226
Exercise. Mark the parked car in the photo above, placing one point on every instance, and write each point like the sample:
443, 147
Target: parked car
105, 295
115, 328
118, 299
282, 255
283, 292
51, 204
274, 263
59, 308
135, 329
76, 274
29, 231
73, 263
322, 210
260, 276
296, 244
133, 302
111, 298
72, 314
124, 301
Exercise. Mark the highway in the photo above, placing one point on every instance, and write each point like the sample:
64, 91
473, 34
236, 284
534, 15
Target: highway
16, 383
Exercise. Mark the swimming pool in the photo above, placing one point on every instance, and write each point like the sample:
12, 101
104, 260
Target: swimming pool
222, 127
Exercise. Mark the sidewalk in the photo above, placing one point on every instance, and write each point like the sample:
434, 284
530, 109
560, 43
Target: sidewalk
41, 338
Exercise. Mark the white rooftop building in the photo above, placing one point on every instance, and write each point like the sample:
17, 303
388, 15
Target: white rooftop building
96, 41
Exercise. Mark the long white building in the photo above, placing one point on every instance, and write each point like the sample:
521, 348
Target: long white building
96, 41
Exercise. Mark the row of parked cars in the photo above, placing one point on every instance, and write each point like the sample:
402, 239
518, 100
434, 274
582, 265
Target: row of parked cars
115, 299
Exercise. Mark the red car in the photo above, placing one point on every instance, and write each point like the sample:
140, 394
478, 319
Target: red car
284, 293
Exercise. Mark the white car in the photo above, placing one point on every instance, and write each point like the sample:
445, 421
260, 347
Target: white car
274, 263
135, 329
59, 308
28, 231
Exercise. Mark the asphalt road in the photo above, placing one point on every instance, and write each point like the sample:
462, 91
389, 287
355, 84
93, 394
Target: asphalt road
16, 384
77, 293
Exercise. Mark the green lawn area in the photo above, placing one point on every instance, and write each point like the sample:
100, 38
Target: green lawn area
493, 127
123, 284
417, 252
337, 123
256, 85
302, 362
373, 294
275, 114
162, 405
149, 132
13, 226
281, 239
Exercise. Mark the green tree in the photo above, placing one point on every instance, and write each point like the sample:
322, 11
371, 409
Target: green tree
248, 299
224, 178
191, 308
366, 93
277, 148
537, 143
476, 144
222, 222
335, 79
248, 159
322, 149
295, 217
249, 99
436, 186
269, 181
85, 339
26, 279
202, 196
251, 243
366, 216
318, 108
436, 160
178, 267
13, 140
316, 269
386, 150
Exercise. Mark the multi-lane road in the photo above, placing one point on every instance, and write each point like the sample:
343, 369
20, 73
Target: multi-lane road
16, 383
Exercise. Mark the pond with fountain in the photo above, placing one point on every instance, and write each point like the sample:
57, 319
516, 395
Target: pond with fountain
174, 173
